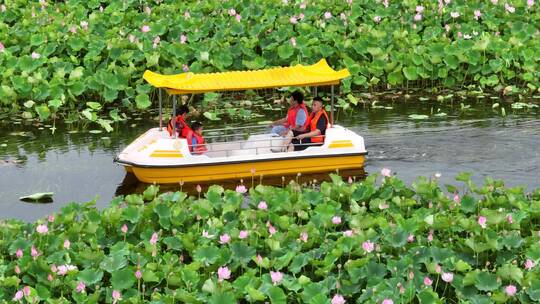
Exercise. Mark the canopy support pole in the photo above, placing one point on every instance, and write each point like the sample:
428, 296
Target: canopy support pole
315, 91
332, 110
160, 112
174, 115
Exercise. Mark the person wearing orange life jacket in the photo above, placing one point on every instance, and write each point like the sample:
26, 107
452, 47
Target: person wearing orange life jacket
317, 128
296, 119
182, 128
197, 144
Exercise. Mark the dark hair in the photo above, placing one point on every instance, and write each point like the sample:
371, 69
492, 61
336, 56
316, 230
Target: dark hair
317, 98
298, 96
183, 109
196, 125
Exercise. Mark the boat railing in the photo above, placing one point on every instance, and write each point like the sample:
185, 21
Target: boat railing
234, 131
240, 149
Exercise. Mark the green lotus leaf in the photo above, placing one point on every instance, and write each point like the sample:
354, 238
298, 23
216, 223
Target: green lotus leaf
90, 276
410, 73
276, 295
113, 263
207, 255
486, 281
142, 101
223, 297
123, 279
510, 272
285, 51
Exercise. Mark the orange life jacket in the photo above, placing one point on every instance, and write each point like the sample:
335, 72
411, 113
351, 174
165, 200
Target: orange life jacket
179, 121
200, 148
314, 118
291, 116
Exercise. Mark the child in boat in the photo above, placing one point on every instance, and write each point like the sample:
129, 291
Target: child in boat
197, 144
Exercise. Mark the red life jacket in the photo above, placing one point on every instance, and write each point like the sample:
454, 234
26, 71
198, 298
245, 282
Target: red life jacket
313, 125
291, 116
200, 148
179, 121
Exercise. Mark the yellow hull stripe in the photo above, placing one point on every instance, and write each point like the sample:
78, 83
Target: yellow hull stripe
243, 170
166, 153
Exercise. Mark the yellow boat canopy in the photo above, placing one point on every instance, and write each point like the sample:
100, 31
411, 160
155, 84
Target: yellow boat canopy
318, 74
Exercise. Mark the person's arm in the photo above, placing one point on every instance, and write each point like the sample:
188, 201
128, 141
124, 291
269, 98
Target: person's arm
300, 120
309, 134
279, 122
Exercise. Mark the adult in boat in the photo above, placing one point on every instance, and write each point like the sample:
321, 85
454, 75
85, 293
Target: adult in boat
318, 121
296, 119
197, 144
182, 128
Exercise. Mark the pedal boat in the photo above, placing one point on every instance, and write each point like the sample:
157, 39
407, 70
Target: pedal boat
157, 157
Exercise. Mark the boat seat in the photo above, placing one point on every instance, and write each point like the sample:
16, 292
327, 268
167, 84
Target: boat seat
243, 152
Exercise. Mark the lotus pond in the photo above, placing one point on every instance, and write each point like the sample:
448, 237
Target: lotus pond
375, 241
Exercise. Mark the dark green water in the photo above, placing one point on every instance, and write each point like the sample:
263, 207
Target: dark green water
78, 166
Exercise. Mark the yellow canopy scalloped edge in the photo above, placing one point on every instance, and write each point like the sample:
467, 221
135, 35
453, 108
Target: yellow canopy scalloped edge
318, 74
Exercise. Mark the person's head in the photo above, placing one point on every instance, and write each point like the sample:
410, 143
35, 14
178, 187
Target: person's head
296, 98
183, 110
317, 104
197, 127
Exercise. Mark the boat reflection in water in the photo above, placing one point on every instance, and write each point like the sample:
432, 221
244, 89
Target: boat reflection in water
131, 184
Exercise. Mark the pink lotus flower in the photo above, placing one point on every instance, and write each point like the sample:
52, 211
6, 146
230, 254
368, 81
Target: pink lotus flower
438, 268
304, 237
1, 47
495, 1
224, 238
410, 238
293, 42
81, 287
3, 8
448, 277
457, 199
418, 17
154, 238
187, 15
156, 42
350, 2
73, 29
509, 219
84, 25
185, 68
132, 38
53, 268
386, 172
454, 15
387, 301
477, 14
338, 299
241, 189
430, 237
482, 221
276, 276
301, 16
272, 230
18, 296
223, 273
17, 269
348, 233
198, 188
384, 205
303, 5
259, 258
293, 20
427, 281
49, 277
19, 253
42, 229
101, 9
183, 38
510, 290
50, 218
327, 15
262, 205
243, 234
67, 244
147, 10
529, 264
34, 252
447, 27
238, 17
511, 10
64, 269
124, 229
377, 19
138, 274
368, 246
411, 275
145, 29
26, 291
232, 12
350, 180
116, 295
530, 3
419, 9
336, 220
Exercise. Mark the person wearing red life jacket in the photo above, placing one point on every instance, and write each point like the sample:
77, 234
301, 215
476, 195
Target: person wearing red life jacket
197, 144
296, 119
182, 128
317, 128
